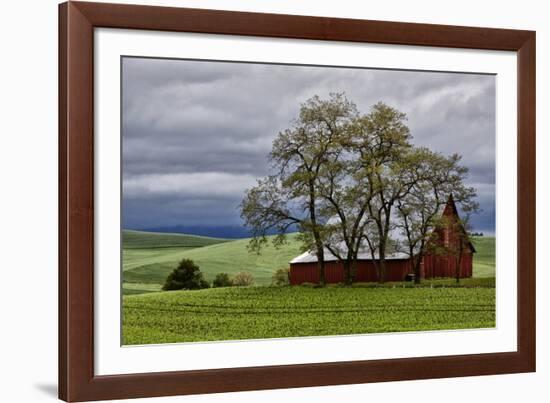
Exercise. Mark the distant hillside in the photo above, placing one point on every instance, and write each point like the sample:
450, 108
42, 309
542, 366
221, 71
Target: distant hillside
148, 240
484, 258
232, 257
227, 231
143, 268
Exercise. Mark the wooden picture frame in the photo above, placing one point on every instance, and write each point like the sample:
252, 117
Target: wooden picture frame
77, 381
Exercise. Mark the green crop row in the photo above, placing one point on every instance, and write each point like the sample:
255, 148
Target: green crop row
274, 312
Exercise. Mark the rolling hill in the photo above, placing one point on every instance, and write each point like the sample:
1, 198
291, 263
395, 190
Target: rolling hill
484, 259
146, 240
148, 258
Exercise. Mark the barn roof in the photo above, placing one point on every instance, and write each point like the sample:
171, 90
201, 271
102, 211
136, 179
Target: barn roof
310, 257
451, 203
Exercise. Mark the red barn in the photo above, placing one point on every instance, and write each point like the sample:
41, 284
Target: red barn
304, 268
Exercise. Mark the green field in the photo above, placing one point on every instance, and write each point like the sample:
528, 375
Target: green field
268, 312
484, 258
235, 313
148, 258
154, 240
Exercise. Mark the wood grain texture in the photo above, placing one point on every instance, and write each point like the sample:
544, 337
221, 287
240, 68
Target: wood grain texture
76, 213
77, 21
63, 323
526, 219
299, 27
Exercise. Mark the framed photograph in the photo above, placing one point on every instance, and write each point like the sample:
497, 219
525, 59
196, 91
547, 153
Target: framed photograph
256, 201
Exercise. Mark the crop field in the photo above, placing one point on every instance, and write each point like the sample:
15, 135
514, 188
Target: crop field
269, 312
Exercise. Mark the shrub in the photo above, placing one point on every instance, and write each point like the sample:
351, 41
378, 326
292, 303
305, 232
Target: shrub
187, 276
242, 278
281, 277
222, 280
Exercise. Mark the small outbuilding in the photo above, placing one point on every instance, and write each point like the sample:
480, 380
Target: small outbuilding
304, 268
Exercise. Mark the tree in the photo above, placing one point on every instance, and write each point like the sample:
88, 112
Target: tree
222, 280
291, 196
345, 203
342, 201
281, 277
382, 141
267, 207
433, 178
361, 187
186, 276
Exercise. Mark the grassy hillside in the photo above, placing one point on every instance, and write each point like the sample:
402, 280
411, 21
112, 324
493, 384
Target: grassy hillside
232, 257
266, 312
152, 255
484, 259
148, 258
148, 240
145, 269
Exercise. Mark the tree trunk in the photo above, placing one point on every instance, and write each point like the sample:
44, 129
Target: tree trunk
321, 266
382, 264
316, 235
347, 272
320, 251
353, 270
383, 231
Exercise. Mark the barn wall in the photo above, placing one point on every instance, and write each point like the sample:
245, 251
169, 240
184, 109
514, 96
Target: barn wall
396, 270
445, 266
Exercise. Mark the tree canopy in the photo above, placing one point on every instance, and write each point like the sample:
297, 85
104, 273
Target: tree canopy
186, 276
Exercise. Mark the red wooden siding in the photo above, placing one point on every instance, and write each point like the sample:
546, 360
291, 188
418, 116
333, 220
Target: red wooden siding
445, 266
396, 270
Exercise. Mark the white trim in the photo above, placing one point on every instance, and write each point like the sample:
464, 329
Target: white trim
111, 358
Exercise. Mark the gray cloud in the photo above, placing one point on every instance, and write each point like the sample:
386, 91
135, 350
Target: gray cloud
195, 134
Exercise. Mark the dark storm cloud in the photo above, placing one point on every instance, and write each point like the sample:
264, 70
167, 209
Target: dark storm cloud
196, 134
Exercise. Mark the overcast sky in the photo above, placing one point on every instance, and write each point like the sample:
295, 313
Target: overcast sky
196, 134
